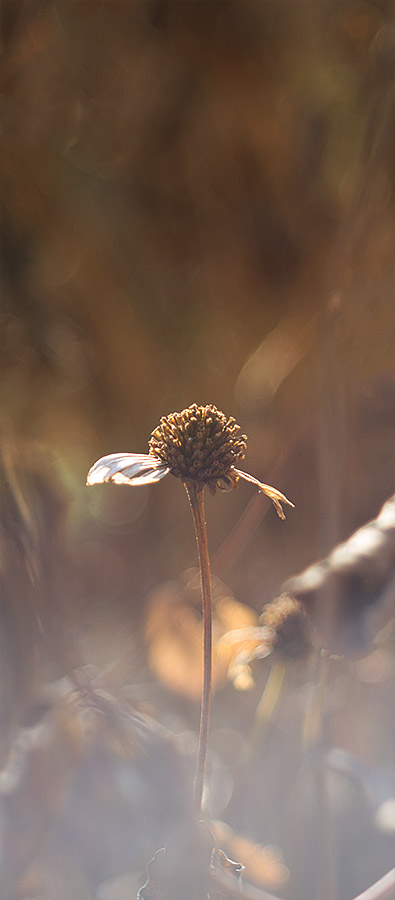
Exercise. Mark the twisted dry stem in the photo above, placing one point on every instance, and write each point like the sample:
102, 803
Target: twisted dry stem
196, 499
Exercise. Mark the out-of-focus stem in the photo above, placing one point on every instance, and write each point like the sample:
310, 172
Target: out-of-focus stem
315, 739
313, 726
265, 708
270, 695
196, 499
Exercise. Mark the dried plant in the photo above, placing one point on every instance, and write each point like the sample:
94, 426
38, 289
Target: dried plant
200, 446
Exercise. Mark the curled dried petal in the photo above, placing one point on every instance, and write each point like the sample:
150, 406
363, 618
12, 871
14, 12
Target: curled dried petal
127, 468
275, 496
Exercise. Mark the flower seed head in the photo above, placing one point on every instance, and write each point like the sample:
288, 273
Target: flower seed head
200, 444
287, 619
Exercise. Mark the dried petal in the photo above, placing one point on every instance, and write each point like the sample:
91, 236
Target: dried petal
275, 496
127, 468
239, 647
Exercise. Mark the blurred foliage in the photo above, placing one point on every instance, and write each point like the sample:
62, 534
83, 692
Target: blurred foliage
197, 206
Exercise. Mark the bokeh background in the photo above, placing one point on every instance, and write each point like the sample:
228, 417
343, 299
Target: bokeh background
197, 206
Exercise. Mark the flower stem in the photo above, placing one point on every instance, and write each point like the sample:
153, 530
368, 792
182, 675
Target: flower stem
196, 499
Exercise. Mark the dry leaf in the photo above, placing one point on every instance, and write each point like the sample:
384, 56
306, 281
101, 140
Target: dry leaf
174, 633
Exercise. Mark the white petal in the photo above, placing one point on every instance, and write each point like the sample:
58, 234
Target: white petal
276, 496
127, 468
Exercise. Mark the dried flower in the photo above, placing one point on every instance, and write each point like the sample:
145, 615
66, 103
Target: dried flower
286, 618
284, 630
199, 444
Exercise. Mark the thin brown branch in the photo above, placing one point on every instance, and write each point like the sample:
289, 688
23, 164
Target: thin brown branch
195, 492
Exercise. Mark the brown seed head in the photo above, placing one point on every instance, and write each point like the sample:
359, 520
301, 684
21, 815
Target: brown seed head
200, 444
288, 620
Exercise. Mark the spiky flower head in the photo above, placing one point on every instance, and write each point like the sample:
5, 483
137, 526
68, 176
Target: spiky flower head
200, 444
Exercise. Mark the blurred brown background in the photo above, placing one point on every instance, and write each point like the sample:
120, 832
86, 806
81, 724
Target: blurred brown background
197, 206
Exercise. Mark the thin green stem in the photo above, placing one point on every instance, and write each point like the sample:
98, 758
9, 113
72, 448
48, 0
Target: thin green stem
196, 499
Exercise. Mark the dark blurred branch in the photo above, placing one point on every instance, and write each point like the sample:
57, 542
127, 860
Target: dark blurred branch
357, 579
